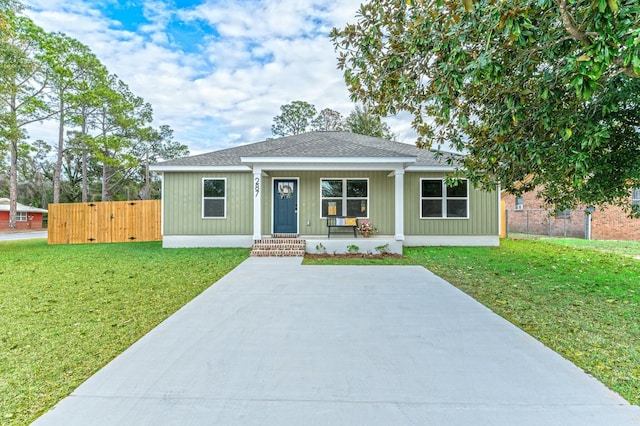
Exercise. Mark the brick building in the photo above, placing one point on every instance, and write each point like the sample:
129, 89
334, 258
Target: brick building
27, 217
526, 214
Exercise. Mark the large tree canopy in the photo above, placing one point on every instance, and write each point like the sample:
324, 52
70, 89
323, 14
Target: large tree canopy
534, 91
104, 141
364, 122
296, 118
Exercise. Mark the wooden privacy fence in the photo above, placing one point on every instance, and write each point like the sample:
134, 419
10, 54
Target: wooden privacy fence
106, 222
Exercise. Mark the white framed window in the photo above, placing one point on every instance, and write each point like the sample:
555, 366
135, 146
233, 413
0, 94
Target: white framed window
635, 197
21, 216
519, 203
440, 201
214, 198
344, 197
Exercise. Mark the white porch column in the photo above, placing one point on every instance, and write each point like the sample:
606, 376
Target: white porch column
399, 204
257, 203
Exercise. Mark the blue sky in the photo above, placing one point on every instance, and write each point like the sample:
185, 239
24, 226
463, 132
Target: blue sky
216, 71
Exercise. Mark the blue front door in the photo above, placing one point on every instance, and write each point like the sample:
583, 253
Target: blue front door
285, 206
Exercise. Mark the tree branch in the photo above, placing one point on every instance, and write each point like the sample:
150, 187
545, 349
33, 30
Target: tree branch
567, 21
585, 39
628, 70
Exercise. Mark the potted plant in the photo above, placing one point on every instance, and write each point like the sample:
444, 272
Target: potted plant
365, 228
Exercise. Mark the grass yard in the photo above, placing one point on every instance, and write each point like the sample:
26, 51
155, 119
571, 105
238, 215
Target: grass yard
623, 248
68, 310
583, 302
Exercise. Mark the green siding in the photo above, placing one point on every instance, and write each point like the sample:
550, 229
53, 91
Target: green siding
381, 210
483, 212
183, 205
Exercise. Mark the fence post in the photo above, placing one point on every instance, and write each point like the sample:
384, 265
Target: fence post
587, 225
506, 225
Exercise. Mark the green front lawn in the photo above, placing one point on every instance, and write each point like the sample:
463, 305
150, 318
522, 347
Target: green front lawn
582, 302
68, 310
623, 248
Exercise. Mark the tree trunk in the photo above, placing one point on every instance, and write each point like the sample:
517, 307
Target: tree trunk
58, 170
85, 159
85, 178
105, 182
13, 186
147, 179
14, 139
105, 160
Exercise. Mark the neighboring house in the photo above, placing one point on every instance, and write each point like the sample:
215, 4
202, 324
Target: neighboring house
235, 196
526, 214
27, 217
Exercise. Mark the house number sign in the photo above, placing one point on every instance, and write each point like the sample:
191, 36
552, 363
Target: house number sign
257, 186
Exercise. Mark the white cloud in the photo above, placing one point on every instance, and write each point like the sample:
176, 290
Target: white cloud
226, 86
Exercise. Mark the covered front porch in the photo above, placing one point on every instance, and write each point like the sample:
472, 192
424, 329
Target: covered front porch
297, 198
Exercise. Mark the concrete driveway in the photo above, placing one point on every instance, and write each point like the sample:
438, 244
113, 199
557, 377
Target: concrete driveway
277, 343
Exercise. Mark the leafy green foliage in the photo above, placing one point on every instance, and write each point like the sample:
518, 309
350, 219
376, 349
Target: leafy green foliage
104, 138
352, 248
383, 249
68, 310
364, 122
295, 118
23, 80
537, 89
70, 64
155, 145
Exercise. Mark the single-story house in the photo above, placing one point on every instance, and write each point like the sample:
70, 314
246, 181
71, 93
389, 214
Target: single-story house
27, 217
291, 185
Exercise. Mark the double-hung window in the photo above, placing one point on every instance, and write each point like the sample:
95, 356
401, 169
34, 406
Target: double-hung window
214, 198
345, 197
21, 216
439, 200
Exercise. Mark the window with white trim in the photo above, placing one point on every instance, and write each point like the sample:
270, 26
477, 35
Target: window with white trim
440, 201
21, 216
214, 198
344, 197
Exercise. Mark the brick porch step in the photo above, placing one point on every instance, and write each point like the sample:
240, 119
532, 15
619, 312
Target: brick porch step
278, 247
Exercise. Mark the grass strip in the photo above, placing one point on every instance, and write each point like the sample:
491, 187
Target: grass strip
68, 310
582, 303
623, 248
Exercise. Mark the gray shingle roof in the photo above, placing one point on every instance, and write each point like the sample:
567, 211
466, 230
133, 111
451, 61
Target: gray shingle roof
315, 144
